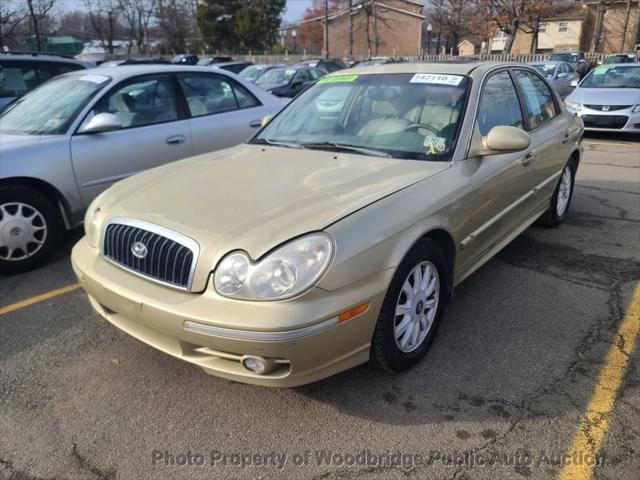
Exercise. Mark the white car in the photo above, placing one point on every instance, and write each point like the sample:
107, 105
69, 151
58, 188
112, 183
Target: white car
608, 98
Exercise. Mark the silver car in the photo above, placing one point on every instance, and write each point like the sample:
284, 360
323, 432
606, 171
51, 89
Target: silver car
67, 141
559, 74
608, 98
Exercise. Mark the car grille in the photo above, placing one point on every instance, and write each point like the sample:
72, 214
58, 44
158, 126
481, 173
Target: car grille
612, 108
165, 260
605, 121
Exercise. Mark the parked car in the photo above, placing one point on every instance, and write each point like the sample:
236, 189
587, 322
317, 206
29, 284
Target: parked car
380, 61
22, 72
289, 81
207, 61
185, 59
328, 64
65, 142
608, 98
620, 58
578, 61
233, 67
314, 247
559, 74
253, 72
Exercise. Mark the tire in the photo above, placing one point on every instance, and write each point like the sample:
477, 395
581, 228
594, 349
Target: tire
30, 226
561, 199
387, 351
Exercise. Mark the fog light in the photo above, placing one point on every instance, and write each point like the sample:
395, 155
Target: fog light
256, 364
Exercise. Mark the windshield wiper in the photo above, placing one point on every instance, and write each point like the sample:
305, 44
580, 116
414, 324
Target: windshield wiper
275, 143
333, 146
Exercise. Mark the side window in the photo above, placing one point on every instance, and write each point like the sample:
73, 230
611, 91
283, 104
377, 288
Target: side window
538, 98
207, 94
303, 76
499, 104
141, 101
18, 78
316, 73
61, 68
244, 97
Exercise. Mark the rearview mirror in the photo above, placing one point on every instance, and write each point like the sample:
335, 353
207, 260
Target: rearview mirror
574, 83
504, 138
266, 119
102, 122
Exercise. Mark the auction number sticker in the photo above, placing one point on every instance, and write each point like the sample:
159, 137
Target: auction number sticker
437, 78
339, 79
94, 78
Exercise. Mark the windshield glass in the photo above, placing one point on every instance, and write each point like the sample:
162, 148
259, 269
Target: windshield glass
612, 77
399, 115
276, 78
546, 70
51, 108
252, 72
565, 57
204, 61
618, 59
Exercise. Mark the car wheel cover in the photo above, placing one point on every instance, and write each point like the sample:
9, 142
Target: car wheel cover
416, 306
23, 231
564, 192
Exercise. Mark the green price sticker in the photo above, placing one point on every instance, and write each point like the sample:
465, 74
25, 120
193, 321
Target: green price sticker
338, 79
600, 70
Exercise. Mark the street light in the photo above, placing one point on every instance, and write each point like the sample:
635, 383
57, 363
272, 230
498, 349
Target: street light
429, 29
294, 34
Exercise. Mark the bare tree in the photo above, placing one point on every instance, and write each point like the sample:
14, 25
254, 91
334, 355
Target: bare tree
176, 20
11, 16
104, 16
38, 13
137, 15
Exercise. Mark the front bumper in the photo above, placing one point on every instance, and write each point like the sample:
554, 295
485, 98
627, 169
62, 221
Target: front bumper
625, 121
301, 337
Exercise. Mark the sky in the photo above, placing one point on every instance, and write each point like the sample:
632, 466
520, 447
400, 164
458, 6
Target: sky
295, 8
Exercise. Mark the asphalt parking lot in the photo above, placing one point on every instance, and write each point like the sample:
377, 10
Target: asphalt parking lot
530, 356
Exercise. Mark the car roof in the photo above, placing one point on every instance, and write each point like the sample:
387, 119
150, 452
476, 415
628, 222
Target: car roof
122, 72
466, 68
547, 62
39, 57
225, 64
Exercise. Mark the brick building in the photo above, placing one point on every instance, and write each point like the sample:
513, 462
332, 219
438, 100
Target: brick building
378, 28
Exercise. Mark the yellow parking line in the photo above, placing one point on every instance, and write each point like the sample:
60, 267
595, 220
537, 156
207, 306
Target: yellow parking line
38, 298
595, 422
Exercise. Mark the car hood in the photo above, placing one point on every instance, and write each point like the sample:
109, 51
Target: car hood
606, 96
254, 197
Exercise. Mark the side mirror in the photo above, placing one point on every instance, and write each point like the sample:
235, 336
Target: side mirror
562, 75
266, 119
102, 122
504, 139
574, 83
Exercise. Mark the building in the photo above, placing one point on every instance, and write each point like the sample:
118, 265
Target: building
63, 45
377, 28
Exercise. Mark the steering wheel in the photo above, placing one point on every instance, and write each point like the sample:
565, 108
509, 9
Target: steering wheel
414, 126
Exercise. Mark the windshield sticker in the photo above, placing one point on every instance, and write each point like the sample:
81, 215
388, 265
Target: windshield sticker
94, 78
339, 79
434, 145
601, 69
437, 78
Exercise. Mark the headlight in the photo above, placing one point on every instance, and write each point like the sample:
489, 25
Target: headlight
92, 224
571, 105
286, 272
636, 109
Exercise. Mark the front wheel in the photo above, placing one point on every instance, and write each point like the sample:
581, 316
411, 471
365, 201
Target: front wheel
559, 207
412, 309
30, 226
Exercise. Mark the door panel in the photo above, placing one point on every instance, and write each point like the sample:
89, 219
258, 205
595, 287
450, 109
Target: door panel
152, 135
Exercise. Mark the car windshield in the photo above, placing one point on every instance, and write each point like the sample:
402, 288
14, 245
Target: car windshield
50, 109
618, 59
408, 116
565, 57
545, 69
612, 77
276, 77
252, 72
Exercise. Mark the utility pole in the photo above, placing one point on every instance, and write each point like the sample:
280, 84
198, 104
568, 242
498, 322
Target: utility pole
326, 28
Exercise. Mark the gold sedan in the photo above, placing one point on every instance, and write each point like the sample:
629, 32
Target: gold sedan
337, 234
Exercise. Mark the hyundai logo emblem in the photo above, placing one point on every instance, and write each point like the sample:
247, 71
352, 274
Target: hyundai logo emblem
606, 108
139, 250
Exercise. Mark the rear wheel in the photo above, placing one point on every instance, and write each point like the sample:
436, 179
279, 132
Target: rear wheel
559, 207
30, 225
412, 308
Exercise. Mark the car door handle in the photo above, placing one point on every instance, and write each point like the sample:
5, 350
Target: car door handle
526, 160
255, 124
175, 140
